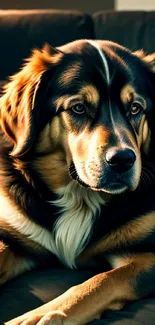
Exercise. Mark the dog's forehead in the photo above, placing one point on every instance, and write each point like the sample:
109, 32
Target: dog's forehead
93, 60
101, 67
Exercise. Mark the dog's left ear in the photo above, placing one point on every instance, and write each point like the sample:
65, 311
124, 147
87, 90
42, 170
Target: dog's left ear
20, 105
148, 59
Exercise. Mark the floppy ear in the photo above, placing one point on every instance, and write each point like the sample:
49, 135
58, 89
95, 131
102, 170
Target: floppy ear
20, 105
148, 59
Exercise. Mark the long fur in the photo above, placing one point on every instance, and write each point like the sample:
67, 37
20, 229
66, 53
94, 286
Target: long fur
42, 137
80, 207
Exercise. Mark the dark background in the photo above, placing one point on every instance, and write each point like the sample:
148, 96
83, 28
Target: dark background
88, 6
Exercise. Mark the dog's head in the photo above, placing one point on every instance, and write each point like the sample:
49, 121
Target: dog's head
85, 111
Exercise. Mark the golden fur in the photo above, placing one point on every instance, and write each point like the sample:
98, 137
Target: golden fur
63, 127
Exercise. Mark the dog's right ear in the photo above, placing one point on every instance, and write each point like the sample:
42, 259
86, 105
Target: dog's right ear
19, 106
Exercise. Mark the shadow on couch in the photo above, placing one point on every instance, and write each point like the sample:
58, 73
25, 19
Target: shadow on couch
35, 288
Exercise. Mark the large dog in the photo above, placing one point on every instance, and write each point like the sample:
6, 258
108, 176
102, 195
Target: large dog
77, 175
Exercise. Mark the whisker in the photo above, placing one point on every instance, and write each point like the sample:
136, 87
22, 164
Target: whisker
148, 171
145, 177
143, 181
150, 164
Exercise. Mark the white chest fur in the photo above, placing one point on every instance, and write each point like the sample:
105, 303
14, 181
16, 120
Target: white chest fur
72, 229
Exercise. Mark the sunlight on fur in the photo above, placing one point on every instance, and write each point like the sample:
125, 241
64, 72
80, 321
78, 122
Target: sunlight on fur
79, 208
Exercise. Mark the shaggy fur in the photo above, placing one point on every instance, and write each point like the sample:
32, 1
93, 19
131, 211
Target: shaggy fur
77, 175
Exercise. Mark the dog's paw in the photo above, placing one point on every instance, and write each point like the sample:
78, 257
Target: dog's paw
50, 318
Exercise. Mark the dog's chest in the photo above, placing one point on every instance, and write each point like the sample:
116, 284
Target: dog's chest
72, 229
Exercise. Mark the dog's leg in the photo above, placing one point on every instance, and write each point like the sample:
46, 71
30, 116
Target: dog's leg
106, 291
12, 264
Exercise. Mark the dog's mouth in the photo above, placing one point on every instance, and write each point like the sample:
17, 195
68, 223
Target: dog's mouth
73, 173
115, 185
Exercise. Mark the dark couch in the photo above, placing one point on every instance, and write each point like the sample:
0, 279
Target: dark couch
19, 33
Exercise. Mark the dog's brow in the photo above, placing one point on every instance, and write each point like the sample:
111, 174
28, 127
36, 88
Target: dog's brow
70, 74
126, 93
65, 100
88, 93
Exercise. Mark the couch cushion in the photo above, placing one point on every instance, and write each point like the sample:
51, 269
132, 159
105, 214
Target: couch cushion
35, 288
135, 30
20, 31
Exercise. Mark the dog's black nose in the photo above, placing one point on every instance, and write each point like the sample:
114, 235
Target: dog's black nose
120, 160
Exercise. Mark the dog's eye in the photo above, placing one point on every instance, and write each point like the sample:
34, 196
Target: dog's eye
136, 108
78, 109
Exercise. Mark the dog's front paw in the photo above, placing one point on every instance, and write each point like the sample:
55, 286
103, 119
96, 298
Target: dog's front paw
50, 318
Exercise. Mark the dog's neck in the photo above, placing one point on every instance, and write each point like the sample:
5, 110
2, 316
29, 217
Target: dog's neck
72, 229
79, 209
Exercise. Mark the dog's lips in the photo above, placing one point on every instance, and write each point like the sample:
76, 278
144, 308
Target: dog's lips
116, 187
73, 173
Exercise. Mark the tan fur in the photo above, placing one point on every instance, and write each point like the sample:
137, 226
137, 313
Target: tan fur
47, 167
127, 93
87, 93
71, 73
90, 94
11, 264
87, 301
19, 96
25, 240
51, 144
133, 231
81, 143
72, 227
88, 147
49, 138
146, 137
62, 101
149, 59
59, 144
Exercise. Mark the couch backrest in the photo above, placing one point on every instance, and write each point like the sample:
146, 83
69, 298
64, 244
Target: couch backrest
21, 31
134, 29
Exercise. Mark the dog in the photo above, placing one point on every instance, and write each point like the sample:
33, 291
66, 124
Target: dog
77, 175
